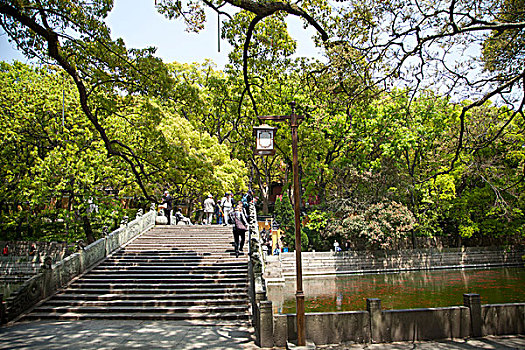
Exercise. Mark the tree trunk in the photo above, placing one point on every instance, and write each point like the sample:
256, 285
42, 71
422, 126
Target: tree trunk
266, 200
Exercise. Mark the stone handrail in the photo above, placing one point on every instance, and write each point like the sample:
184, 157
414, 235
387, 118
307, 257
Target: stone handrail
52, 277
256, 252
351, 262
256, 270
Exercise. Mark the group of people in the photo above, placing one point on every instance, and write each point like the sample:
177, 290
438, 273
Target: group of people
167, 207
221, 209
226, 212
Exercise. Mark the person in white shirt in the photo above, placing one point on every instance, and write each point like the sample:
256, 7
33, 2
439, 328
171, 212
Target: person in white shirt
209, 208
227, 206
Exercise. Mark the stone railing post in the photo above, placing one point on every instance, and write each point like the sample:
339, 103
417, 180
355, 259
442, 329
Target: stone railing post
265, 332
373, 306
473, 302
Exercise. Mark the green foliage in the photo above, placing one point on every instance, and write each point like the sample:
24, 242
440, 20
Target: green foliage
317, 222
54, 166
382, 162
503, 51
285, 217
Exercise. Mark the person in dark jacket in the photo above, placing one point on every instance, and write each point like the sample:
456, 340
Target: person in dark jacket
240, 226
167, 200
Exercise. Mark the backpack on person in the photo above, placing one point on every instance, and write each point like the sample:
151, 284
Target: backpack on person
239, 225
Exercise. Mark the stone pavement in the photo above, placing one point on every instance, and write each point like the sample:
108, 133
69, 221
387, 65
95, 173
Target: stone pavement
493, 343
129, 334
124, 334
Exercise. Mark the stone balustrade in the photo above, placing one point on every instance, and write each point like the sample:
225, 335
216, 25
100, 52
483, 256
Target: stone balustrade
376, 325
351, 262
54, 276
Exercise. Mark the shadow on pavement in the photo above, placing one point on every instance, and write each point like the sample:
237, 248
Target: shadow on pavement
125, 334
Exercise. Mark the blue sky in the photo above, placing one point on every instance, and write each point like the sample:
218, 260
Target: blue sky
139, 24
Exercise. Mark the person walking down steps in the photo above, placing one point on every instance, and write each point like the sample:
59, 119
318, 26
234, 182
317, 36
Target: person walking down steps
240, 226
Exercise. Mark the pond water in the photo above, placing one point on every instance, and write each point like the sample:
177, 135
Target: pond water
410, 290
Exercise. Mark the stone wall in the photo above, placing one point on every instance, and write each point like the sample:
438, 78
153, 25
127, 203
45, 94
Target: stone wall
55, 276
502, 319
382, 326
330, 263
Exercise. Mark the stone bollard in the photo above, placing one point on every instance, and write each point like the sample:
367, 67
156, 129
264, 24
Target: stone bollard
373, 306
473, 302
265, 324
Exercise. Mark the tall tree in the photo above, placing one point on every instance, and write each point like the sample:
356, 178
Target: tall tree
73, 36
419, 44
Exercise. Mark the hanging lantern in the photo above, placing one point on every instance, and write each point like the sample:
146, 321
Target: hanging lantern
264, 137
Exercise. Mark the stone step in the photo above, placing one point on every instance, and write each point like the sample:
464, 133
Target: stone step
195, 261
177, 249
240, 295
164, 277
162, 280
192, 233
214, 318
188, 290
186, 228
217, 270
177, 243
172, 251
156, 302
162, 285
217, 237
169, 262
236, 263
223, 252
181, 251
141, 309
210, 253
193, 237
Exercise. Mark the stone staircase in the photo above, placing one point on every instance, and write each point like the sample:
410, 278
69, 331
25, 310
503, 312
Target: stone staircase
167, 273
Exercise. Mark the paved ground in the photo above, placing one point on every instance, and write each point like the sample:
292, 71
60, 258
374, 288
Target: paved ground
185, 335
493, 343
124, 334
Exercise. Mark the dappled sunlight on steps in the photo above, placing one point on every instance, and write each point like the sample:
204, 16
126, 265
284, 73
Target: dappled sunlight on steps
167, 273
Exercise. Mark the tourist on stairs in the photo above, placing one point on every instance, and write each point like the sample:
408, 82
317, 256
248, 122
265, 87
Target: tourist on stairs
166, 201
240, 226
209, 209
227, 206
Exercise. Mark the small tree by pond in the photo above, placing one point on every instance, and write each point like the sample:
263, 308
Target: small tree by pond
285, 217
380, 225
